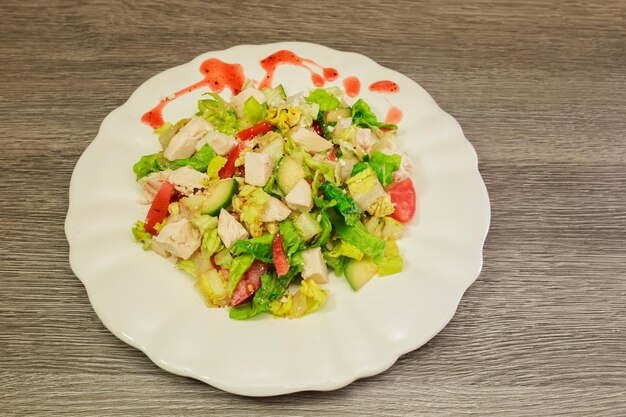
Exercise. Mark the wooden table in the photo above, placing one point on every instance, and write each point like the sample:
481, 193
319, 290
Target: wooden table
540, 90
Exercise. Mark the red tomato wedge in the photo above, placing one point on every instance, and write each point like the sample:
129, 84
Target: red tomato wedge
158, 209
256, 130
228, 169
403, 196
280, 261
249, 283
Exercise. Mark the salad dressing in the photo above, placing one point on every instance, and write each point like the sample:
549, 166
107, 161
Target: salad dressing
352, 86
394, 115
384, 86
285, 57
217, 76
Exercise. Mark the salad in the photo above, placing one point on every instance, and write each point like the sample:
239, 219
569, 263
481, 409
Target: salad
256, 198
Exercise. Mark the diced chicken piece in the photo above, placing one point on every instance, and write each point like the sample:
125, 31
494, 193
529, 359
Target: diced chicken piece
152, 183
259, 168
183, 144
186, 179
274, 211
314, 266
310, 141
179, 238
238, 101
222, 144
364, 138
299, 198
229, 229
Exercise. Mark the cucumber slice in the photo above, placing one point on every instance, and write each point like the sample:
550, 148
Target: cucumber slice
333, 116
358, 273
219, 196
307, 226
289, 173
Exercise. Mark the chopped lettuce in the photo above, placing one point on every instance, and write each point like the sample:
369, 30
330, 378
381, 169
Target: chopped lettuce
284, 118
358, 236
346, 249
345, 204
213, 289
253, 113
275, 96
189, 266
326, 100
141, 236
204, 222
223, 258
198, 161
326, 168
215, 165
250, 202
327, 228
309, 298
238, 267
363, 116
291, 238
218, 113
148, 164
384, 165
338, 264
211, 243
259, 247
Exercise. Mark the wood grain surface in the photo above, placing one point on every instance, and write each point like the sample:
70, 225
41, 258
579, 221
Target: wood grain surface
540, 90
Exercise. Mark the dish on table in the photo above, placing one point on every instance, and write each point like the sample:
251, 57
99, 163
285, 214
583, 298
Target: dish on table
149, 304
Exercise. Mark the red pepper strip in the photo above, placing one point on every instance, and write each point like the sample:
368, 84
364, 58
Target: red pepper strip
249, 283
158, 208
228, 169
256, 130
280, 261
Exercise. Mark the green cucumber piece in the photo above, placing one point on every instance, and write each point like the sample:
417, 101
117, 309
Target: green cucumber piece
358, 273
307, 226
289, 173
333, 116
219, 196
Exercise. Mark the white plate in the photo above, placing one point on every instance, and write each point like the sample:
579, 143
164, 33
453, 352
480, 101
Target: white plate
143, 300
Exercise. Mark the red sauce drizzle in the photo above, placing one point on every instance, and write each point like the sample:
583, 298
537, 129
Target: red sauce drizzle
352, 86
394, 115
384, 86
285, 57
217, 76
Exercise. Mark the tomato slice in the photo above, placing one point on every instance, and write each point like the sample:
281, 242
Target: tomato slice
249, 283
256, 130
228, 169
158, 209
403, 196
280, 261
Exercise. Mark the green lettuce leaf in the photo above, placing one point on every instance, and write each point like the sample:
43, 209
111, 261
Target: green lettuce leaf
141, 236
384, 165
275, 96
338, 264
345, 204
215, 165
363, 116
326, 168
253, 113
223, 258
211, 243
238, 267
198, 161
346, 249
357, 235
218, 113
326, 100
213, 289
259, 247
291, 238
148, 164
327, 229
189, 266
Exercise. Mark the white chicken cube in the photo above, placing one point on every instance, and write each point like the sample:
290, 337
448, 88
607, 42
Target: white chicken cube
152, 183
310, 141
222, 144
274, 211
238, 101
314, 266
229, 229
299, 198
186, 179
259, 168
364, 138
183, 144
179, 238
